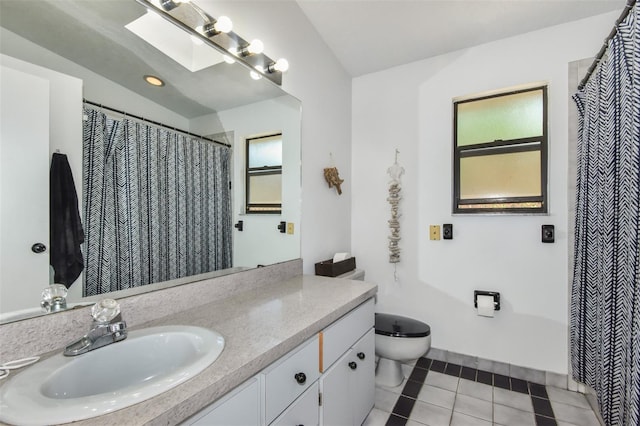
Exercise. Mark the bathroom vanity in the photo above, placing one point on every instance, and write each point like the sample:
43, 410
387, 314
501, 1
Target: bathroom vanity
320, 327
328, 379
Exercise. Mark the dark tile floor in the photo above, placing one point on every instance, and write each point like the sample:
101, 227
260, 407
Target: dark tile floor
436, 393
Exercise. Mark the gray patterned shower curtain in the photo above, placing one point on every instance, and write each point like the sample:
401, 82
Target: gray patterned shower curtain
605, 297
157, 204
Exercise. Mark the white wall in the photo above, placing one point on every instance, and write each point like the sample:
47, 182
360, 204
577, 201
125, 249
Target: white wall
319, 81
410, 108
260, 242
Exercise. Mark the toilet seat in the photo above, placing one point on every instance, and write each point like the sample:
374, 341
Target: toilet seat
399, 326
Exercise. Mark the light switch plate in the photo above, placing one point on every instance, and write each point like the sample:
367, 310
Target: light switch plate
290, 228
434, 232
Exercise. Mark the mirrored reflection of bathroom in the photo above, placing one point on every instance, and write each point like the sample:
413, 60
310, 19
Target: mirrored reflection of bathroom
125, 186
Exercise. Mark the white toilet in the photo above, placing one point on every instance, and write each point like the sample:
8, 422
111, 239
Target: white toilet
398, 339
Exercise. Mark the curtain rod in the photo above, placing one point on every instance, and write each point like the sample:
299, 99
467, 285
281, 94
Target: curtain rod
126, 114
605, 44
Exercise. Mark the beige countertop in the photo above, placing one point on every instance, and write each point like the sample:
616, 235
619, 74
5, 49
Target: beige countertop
259, 326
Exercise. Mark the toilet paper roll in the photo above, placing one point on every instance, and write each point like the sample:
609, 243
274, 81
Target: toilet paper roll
486, 307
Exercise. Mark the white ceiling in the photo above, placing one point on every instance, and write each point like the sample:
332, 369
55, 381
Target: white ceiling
372, 35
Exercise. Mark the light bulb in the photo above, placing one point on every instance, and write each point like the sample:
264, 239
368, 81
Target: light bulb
255, 75
223, 25
281, 65
255, 47
153, 80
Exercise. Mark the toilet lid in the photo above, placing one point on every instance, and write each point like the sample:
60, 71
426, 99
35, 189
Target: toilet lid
397, 326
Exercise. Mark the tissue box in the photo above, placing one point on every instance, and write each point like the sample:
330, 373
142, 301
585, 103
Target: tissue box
327, 268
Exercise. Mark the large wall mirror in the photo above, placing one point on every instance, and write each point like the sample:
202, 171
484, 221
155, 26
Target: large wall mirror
59, 54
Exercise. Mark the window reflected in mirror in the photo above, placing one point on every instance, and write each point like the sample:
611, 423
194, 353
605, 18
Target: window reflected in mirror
264, 174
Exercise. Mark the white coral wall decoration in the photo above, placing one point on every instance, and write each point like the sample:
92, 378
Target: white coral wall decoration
395, 172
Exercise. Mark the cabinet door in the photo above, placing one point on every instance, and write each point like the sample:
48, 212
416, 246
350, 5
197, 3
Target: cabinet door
348, 387
304, 411
336, 407
362, 380
241, 407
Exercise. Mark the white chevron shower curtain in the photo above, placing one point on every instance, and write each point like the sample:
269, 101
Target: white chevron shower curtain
605, 296
157, 204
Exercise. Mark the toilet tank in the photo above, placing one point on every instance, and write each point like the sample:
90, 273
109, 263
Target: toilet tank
356, 274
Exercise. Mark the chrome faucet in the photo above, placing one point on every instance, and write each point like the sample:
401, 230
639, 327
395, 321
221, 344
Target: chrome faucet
107, 327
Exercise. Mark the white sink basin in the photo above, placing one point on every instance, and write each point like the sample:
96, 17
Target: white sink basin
148, 362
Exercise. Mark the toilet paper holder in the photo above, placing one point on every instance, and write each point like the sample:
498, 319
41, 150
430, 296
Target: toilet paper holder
494, 294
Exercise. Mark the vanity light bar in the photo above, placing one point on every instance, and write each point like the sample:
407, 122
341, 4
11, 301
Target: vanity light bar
230, 44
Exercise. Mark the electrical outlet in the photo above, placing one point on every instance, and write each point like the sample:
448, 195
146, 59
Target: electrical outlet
434, 232
290, 228
447, 231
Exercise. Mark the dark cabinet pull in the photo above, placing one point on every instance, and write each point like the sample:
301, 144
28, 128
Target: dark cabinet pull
300, 378
361, 355
38, 248
353, 365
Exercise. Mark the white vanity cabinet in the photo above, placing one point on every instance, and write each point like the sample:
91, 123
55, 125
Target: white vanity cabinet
348, 385
240, 407
327, 380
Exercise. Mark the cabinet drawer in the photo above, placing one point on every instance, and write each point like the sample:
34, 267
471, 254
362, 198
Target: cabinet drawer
305, 411
288, 377
339, 336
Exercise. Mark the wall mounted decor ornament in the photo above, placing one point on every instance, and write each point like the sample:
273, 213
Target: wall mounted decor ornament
395, 185
333, 179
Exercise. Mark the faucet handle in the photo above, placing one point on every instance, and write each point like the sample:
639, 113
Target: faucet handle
54, 298
105, 310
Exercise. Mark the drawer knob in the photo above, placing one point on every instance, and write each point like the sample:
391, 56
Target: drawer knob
353, 365
300, 378
361, 355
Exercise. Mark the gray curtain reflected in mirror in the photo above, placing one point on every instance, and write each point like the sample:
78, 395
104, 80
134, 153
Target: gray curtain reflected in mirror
150, 213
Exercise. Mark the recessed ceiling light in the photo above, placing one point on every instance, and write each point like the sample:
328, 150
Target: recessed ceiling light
153, 80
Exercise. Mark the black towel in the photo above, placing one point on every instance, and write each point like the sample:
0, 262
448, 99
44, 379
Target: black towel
66, 234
